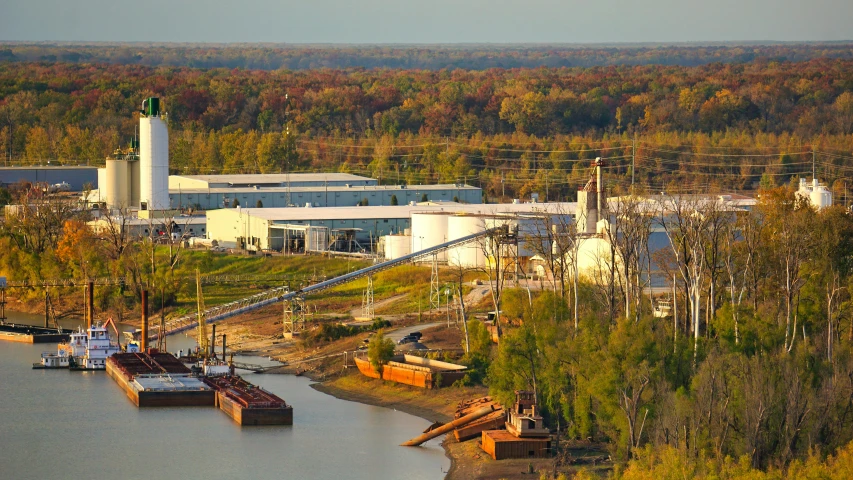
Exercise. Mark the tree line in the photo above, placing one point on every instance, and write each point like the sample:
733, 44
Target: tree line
432, 57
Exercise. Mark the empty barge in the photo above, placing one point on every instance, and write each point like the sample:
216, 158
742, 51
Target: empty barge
157, 379
248, 404
32, 334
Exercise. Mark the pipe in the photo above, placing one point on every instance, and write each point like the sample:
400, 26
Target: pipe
90, 307
144, 340
212, 349
46, 308
449, 426
223, 346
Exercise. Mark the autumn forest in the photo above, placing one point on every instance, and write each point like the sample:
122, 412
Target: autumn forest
752, 375
511, 131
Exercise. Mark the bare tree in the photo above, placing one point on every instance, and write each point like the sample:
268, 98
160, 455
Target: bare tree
789, 240
499, 246
683, 220
629, 233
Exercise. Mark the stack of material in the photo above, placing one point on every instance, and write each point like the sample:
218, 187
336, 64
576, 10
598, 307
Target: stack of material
493, 421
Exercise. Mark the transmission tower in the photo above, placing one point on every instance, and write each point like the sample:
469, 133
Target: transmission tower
434, 290
367, 309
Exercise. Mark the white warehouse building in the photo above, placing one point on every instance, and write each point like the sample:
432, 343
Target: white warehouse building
353, 228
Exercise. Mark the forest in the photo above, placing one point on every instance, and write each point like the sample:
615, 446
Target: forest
512, 132
752, 374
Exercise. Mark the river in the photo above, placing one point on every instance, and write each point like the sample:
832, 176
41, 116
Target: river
61, 424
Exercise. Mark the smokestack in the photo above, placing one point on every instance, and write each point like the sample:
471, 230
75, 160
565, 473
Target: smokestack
46, 311
223, 347
212, 351
90, 305
599, 186
144, 341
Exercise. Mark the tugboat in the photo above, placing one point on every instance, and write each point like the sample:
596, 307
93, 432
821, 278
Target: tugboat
90, 351
61, 359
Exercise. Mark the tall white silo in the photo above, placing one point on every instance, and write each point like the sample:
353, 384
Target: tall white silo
153, 158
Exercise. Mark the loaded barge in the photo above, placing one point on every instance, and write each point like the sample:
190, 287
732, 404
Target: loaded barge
157, 379
248, 404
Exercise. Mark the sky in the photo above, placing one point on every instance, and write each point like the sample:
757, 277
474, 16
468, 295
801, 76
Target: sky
426, 21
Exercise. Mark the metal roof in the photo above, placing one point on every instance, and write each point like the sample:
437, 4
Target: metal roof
359, 188
396, 211
277, 178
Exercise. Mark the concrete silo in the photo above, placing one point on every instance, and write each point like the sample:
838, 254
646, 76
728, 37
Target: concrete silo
153, 158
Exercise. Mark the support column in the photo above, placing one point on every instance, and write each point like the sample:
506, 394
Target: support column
90, 307
143, 344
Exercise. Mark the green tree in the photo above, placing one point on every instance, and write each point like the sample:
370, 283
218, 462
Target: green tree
380, 350
394, 200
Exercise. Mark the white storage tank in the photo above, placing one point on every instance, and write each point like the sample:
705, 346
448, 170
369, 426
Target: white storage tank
153, 157
134, 182
469, 255
397, 246
429, 230
116, 186
820, 197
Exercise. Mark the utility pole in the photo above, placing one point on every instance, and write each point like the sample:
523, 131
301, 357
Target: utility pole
633, 161
813, 163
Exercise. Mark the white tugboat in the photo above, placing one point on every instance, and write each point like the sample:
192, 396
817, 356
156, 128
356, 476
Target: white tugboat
90, 351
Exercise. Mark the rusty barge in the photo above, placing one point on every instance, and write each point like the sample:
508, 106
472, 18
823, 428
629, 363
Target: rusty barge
157, 379
248, 404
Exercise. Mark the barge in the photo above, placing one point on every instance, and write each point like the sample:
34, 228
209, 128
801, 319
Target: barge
32, 334
157, 379
249, 404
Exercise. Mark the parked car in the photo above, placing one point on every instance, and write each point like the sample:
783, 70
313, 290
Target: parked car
407, 339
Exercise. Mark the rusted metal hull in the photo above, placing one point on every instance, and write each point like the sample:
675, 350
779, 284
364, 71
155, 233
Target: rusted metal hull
449, 426
254, 416
248, 404
409, 375
495, 421
500, 444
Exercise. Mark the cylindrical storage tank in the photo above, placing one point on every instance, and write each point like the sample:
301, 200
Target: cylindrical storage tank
102, 181
153, 163
134, 181
429, 230
397, 246
116, 189
820, 197
469, 255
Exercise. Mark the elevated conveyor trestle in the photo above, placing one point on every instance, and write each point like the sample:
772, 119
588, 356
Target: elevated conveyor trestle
294, 316
282, 294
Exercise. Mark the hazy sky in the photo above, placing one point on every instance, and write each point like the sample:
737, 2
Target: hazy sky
425, 21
